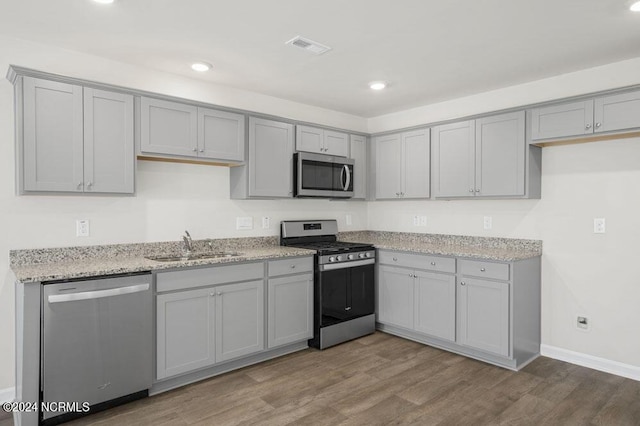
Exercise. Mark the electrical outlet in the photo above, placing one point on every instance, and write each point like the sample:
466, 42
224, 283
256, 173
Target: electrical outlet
487, 222
598, 225
583, 323
423, 221
82, 228
244, 222
348, 220
266, 222
416, 220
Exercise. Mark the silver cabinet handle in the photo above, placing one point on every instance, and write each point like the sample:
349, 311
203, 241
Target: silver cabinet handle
463, 283
433, 263
482, 269
588, 126
598, 125
348, 308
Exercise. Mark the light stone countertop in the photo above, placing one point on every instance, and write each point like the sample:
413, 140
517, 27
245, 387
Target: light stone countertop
37, 265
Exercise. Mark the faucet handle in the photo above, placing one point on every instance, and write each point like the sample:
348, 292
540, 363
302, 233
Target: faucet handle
187, 232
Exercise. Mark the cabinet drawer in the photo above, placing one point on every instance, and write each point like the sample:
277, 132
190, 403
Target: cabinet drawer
484, 269
290, 266
190, 278
418, 261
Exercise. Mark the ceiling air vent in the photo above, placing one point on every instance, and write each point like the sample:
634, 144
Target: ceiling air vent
308, 45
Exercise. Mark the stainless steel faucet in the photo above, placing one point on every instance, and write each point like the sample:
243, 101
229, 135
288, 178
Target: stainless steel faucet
188, 242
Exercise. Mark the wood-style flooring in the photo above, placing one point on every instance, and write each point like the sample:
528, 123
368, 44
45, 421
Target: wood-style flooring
385, 380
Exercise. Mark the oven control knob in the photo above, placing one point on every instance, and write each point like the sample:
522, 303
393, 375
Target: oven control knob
339, 258
367, 254
361, 255
350, 257
332, 259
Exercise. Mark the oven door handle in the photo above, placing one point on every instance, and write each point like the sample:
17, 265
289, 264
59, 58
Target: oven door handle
343, 265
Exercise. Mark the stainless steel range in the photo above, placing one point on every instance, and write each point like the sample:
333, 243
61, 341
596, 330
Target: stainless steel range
344, 285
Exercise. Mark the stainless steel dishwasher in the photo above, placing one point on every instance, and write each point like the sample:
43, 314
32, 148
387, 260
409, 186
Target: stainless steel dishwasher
97, 344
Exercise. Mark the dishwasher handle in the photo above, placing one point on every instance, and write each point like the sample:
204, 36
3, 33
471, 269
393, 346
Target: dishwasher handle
97, 294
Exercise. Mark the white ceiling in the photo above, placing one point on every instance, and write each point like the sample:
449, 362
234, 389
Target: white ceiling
428, 50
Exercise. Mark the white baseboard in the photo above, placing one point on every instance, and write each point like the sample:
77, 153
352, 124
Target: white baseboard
590, 361
7, 395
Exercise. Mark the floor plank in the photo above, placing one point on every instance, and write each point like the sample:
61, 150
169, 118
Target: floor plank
385, 380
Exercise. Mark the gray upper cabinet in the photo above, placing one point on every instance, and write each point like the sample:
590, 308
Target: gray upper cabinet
358, 152
500, 155
402, 165
220, 135
76, 139
321, 141
168, 127
177, 129
484, 157
108, 142
558, 121
484, 315
268, 172
454, 159
610, 113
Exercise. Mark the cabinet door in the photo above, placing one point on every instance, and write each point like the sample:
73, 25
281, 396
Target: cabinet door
239, 319
435, 305
185, 331
220, 135
564, 120
617, 112
290, 309
388, 166
310, 139
52, 150
358, 153
484, 315
270, 158
336, 143
168, 127
416, 164
500, 144
108, 142
454, 159
395, 296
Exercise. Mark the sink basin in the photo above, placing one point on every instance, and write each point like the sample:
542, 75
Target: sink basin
192, 256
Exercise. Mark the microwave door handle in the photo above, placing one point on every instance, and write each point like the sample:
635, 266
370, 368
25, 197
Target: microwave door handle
342, 177
348, 173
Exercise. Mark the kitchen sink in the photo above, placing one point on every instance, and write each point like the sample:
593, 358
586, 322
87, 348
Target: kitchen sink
192, 256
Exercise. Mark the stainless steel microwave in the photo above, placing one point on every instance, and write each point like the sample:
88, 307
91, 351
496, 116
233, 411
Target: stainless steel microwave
322, 176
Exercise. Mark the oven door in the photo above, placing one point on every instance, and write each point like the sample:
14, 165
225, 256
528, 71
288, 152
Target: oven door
347, 292
318, 175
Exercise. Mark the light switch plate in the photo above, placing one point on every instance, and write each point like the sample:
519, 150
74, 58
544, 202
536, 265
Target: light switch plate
244, 222
488, 222
266, 222
423, 221
348, 220
416, 220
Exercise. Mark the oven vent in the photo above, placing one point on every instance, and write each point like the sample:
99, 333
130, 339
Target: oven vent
308, 45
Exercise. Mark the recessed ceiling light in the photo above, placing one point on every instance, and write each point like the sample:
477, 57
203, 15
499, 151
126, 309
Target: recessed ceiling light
635, 7
104, 1
377, 85
201, 66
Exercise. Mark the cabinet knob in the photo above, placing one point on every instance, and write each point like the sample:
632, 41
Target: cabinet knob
470, 189
202, 150
219, 293
598, 125
212, 294
80, 185
195, 150
348, 308
89, 185
433, 263
293, 266
411, 275
402, 194
477, 190
588, 126
482, 269
463, 283
395, 259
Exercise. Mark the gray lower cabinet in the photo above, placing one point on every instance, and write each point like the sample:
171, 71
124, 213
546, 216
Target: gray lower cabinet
402, 165
199, 327
610, 113
269, 167
358, 153
480, 158
74, 138
175, 129
487, 310
290, 309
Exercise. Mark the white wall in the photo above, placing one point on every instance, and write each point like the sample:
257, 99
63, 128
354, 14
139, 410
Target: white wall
170, 197
582, 273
